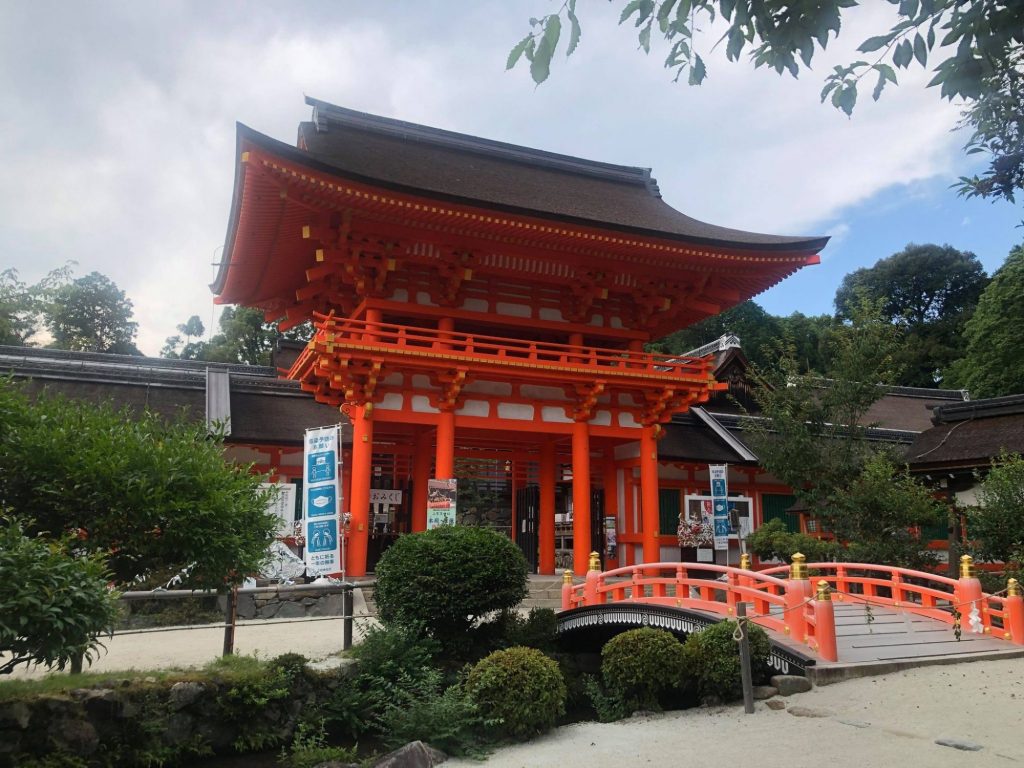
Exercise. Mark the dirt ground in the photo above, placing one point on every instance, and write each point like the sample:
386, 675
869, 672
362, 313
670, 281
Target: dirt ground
874, 722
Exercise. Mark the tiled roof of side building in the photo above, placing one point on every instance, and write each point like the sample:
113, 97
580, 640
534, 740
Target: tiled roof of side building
510, 177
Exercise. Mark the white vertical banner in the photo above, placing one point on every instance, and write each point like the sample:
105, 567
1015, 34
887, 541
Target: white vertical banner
321, 500
720, 503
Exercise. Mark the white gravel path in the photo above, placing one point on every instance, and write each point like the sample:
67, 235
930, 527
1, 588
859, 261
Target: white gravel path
889, 721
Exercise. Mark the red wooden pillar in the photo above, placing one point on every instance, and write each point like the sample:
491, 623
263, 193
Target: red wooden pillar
444, 460
580, 496
649, 494
546, 513
420, 479
359, 501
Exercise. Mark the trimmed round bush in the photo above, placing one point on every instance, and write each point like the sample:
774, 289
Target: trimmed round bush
444, 579
640, 664
713, 657
520, 687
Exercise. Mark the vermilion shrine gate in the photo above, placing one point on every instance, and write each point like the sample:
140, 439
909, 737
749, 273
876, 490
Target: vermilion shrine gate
478, 299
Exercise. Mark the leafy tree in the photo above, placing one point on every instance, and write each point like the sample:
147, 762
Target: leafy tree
185, 349
158, 498
996, 526
993, 363
809, 335
755, 327
931, 292
815, 440
21, 304
91, 314
54, 604
981, 41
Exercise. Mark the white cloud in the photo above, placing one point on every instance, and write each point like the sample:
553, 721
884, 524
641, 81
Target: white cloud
118, 142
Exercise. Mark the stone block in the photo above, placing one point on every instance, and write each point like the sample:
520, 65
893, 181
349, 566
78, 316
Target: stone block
765, 691
184, 694
291, 610
790, 684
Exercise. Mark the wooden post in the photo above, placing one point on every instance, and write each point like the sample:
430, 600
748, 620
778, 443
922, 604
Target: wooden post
798, 589
444, 461
420, 480
1014, 613
967, 593
649, 495
359, 502
590, 593
825, 623
746, 678
580, 496
566, 590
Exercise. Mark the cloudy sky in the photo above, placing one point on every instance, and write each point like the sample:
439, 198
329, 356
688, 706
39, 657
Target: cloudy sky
117, 131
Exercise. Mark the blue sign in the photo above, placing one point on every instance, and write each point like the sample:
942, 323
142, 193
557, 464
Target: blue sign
721, 526
718, 487
322, 536
321, 500
320, 466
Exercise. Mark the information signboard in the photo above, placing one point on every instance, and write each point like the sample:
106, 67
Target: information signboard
321, 500
720, 503
281, 504
441, 502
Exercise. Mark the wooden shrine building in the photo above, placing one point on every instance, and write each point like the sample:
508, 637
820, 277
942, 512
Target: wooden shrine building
474, 299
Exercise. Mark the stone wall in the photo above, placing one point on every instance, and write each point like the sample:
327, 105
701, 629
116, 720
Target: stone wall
289, 602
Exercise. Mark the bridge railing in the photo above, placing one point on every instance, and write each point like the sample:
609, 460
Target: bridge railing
783, 600
786, 606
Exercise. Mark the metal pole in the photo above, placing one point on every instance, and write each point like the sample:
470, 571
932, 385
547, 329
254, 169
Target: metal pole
347, 610
230, 617
748, 688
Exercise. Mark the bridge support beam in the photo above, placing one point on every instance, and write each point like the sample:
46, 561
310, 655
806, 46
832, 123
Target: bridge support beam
649, 495
546, 511
362, 453
580, 496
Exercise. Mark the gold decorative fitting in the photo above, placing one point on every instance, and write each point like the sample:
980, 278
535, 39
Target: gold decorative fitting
798, 568
1012, 588
966, 567
595, 562
745, 561
567, 576
824, 593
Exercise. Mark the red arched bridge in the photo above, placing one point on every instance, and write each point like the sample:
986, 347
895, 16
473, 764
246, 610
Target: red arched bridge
815, 613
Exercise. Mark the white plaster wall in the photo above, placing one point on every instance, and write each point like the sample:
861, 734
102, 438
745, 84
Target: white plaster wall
551, 313
515, 411
474, 408
538, 392
476, 305
554, 414
392, 401
497, 388
421, 404
509, 309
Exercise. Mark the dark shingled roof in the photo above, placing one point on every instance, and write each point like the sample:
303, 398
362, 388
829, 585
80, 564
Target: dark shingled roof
264, 408
509, 177
687, 438
970, 434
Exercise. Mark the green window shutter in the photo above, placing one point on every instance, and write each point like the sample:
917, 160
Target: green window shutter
668, 511
774, 506
935, 532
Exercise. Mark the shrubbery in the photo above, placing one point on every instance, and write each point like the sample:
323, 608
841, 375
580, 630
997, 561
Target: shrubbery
442, 580
520, 688
713, 659
638, 665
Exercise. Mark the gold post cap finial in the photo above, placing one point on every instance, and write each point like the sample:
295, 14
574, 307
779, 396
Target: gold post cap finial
1012, 588
745, 561
567, 576
595, 562
966, 567
798, 568
824, 593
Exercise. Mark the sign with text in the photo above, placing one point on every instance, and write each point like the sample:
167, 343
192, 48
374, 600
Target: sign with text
441, 502
385, 496
321, 502
281, 504
720, 503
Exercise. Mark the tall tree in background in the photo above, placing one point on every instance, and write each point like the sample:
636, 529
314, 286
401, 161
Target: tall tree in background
930, 291
981, 40
21, 304
245, 337
994, 361
91, 314
755, 327
185, 349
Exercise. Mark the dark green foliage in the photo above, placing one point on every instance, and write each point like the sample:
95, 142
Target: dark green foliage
640, 665
245, 337
447, 720
755, 327
309, 748
996, 527
993, 364
292, 664
157, 497
91, 314
772, 541
713, 659
928, 290
442, 580
519, 688
54, 605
